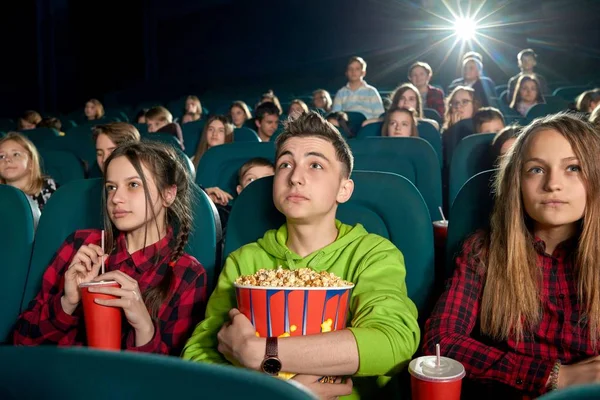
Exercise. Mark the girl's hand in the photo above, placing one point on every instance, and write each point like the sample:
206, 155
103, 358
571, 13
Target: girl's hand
455, 117
84, 267
130, 300
219, 196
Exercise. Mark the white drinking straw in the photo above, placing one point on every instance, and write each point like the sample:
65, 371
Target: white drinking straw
437, 354
103, 252
442, 213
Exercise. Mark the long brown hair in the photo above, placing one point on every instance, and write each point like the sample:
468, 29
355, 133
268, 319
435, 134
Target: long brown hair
196, 100
30, 116
167, 171
397, 94
203, 144
36, 180
388, 116
99, 108
118, 132
517, 94
511, 302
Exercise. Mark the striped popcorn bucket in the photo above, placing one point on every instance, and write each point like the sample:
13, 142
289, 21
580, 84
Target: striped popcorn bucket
294, 311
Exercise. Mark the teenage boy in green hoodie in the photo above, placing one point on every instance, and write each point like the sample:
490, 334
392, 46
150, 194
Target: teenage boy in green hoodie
312, 176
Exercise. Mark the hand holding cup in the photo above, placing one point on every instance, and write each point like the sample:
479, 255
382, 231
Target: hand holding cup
84, 267
129, 298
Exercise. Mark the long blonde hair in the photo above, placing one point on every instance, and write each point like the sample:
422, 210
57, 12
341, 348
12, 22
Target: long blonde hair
36, 180
511, 303
203, 145
99, 108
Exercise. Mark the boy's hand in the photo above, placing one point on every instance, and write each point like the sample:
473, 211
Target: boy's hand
238, 341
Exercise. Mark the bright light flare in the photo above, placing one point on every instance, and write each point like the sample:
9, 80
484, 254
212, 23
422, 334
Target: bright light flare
465, 28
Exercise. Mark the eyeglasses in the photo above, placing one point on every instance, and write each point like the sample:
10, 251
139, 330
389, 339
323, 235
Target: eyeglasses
16, 156
461, 103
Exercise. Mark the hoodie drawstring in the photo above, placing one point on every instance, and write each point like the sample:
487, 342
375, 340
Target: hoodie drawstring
290, 260
316, 259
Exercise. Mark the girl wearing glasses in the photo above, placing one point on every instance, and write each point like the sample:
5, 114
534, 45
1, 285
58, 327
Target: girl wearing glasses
20, 167
460, 104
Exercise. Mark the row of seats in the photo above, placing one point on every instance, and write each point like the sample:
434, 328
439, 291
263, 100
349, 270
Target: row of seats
418, 160
405, 222
77, 205
81, 373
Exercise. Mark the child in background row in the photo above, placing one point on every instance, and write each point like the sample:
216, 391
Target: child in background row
483, 87
339, 119
297, 107
140, 117
217, 131
357, 95
147, 218
270, 97
503, 141
20, 168
28, 120
588, 100
193, 106
190, 117
252, 170
406, 96
266, 120
160, 120
488, 120
527, 60
53, 123
522, 311
419, 74
460, 104
239, 113
322, 100
400, 122
93, 110
110, 136
527, 94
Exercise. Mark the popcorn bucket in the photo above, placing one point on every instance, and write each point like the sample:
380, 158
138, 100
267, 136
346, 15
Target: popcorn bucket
294, 311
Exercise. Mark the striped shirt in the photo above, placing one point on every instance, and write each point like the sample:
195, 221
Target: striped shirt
365, 100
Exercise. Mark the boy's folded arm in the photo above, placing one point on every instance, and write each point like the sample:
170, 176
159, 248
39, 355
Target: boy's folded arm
384, 332
384, 319
202, 345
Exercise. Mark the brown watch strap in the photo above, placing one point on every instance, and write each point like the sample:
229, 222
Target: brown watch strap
271, 350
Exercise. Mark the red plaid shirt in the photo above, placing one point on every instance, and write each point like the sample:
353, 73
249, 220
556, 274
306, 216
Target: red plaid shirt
435, 100
45, 322
525, 366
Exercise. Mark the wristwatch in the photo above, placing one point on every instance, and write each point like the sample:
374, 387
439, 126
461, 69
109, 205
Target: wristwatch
271, 364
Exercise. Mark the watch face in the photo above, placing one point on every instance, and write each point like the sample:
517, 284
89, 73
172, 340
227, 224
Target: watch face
271, 365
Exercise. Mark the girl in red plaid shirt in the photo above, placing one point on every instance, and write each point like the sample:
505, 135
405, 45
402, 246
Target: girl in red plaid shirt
522, 311
163, 289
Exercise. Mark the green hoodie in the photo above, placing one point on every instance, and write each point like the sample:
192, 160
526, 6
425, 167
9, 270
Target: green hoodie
382, 317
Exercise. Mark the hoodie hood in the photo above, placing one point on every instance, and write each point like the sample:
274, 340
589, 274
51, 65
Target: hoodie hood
274, 243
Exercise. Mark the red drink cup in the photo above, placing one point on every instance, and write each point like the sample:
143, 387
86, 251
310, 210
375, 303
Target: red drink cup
102, 323
428, 381
440, 232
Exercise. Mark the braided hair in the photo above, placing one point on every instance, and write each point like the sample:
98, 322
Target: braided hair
167, 171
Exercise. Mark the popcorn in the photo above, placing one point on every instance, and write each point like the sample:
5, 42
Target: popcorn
302, 277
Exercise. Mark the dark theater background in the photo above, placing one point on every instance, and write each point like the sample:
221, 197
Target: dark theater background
59, 53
